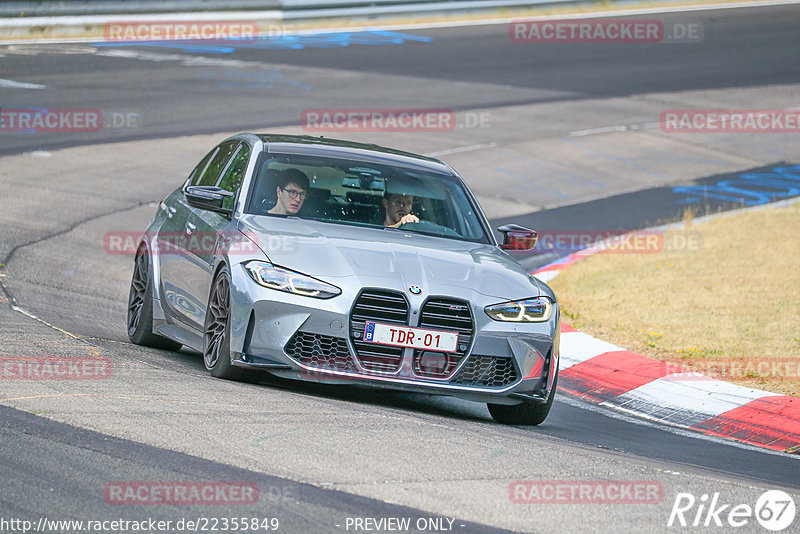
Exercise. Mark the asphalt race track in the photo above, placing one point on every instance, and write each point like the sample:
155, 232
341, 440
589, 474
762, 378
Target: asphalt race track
557, 136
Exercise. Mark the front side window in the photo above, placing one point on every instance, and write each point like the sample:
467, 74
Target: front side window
233, 175
197, 172
365, 194
218, 164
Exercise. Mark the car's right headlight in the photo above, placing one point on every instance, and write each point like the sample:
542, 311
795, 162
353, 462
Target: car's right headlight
280, 279
521, 311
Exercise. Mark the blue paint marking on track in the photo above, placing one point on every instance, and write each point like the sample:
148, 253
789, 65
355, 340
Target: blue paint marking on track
281, 42
750, 189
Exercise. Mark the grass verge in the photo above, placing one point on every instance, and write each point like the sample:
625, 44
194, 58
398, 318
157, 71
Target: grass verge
722, 298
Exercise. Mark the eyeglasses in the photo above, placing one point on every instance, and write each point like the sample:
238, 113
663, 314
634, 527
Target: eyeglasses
295, 194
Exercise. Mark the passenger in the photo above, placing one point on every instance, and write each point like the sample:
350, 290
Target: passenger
292, 190
398, 210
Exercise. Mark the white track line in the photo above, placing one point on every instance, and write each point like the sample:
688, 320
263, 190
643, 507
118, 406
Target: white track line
577, 347
11, 84
687, 402
460, 149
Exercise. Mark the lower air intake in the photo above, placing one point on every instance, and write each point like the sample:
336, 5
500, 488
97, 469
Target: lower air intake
322, 352
486, 371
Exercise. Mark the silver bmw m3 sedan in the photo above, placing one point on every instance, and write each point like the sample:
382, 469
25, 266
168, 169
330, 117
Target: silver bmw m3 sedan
346, 263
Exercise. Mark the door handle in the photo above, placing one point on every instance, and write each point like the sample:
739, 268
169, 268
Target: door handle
169, 209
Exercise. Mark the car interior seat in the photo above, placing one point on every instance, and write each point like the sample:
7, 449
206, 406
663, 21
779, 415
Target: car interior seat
265, 194
316, 204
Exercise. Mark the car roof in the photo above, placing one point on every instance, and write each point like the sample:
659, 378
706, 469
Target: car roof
338, 148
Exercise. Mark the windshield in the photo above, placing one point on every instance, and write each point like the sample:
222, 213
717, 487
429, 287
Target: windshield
364, 194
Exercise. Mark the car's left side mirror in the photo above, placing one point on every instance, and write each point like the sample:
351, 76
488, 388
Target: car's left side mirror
208, 197
516, 237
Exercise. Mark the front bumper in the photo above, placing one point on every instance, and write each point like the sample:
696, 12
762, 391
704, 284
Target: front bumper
315, 340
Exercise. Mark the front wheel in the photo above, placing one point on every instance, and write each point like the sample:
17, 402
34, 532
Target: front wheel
217, 330
526, 413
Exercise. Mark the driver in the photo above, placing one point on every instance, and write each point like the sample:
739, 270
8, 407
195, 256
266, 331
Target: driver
292, 188
398, 210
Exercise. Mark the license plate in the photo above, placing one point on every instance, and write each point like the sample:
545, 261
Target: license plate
405, 336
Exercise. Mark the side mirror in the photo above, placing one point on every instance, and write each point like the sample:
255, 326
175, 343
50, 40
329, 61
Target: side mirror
516, 237
208, 197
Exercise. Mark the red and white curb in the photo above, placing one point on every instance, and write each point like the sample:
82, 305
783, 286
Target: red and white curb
603, 373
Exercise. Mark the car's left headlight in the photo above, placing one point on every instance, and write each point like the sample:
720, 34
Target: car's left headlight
535, 310
281, 279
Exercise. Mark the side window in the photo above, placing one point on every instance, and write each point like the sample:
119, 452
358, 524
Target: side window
218, 163
197, 172
233, 175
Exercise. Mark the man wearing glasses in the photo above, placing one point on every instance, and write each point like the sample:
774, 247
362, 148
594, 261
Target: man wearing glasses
292, 191
398, 210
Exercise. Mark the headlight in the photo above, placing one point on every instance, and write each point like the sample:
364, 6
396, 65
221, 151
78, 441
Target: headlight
521, 311
273, 277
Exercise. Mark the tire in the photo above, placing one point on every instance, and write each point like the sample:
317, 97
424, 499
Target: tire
217, 331
526, 413
140, 307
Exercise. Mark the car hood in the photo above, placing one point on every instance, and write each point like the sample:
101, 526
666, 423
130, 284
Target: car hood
389, 258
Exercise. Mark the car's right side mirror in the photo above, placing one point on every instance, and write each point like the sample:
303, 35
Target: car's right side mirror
516, 237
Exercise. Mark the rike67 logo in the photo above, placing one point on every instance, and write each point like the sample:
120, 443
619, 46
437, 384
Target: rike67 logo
774, 510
